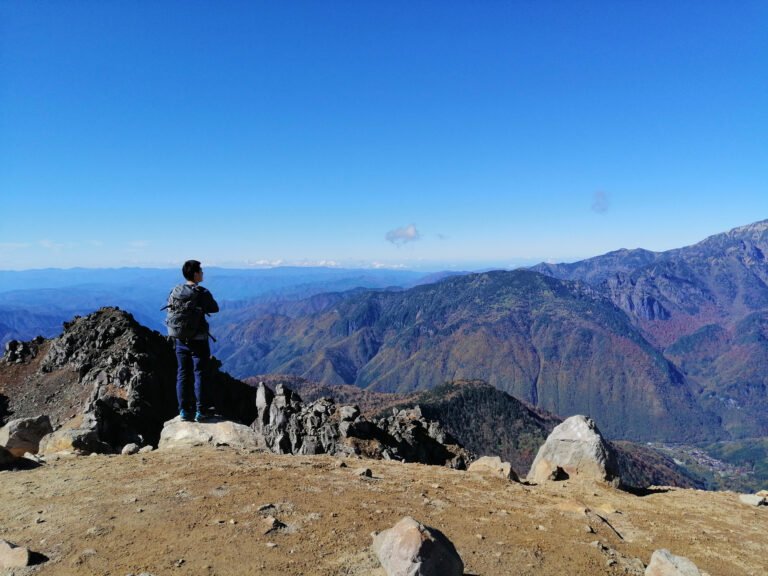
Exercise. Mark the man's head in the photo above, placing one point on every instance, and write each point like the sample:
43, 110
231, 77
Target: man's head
192, 271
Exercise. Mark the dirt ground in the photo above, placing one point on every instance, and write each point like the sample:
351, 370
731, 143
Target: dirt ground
205, 511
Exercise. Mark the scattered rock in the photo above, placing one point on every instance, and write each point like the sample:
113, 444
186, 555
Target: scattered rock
222, 433
753, 499
763, 493
664, 563
24, 434
412, 549
12, 556
129, 449
146, 449
273, 524
493, 465
365, 472
579, 449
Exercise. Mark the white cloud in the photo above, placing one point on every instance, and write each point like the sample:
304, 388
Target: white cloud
49, 245
403, 235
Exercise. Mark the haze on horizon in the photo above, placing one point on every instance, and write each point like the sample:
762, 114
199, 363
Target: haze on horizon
429, 135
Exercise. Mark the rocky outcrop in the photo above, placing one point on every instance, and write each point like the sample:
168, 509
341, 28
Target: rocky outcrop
287, 425
24, 434
17, 352
215, 433
109, 381
579, 449
411, 549
664, 563
493, 466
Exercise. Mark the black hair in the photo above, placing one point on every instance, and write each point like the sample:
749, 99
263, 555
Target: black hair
190, 268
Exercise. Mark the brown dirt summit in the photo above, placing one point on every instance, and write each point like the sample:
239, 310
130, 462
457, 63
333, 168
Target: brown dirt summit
226, 512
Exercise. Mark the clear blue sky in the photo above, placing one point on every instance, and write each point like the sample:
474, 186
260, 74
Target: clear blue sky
419, 133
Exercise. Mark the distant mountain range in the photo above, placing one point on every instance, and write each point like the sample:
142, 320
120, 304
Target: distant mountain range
654, 346
37, 302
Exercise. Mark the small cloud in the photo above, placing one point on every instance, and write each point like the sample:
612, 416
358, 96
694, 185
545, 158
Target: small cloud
400, 236
442, 237
600, 202
49, 245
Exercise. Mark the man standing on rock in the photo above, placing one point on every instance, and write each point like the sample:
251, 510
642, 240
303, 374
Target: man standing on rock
188, 304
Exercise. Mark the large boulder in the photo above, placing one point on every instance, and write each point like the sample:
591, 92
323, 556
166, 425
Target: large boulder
579, 449
664, 563
75, 440
412, 549
493, 466
24, 434
6, 458
12, 556
177, 433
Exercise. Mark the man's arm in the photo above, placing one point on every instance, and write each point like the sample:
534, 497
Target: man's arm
207, 303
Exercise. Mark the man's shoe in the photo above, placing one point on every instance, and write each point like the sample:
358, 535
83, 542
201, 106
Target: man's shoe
202, 417
185, 416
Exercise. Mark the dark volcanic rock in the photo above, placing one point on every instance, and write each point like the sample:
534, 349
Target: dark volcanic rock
290, 426
109, 380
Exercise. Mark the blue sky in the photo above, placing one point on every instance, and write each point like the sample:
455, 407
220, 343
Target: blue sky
424, 134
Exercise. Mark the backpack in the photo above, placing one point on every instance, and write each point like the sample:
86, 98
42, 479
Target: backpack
184, 317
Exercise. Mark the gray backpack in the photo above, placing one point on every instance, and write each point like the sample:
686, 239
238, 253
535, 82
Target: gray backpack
184, 317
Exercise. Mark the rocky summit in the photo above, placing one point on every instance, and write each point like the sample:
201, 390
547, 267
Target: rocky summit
224, 511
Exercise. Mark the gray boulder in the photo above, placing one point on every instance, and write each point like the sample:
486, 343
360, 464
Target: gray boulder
12, 556
580, 450
177, 434
24, 434
77, 440
492, 465
664, 563
412, 549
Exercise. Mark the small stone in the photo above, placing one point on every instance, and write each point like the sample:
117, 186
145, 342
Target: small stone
479, 536
364, 472
139, 510
752, 499
130, 449
146, 449
273, 524
179, 563
265, 507
341, 464
271, 545
39, 520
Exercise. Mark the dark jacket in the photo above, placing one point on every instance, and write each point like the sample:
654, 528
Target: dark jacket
204, 300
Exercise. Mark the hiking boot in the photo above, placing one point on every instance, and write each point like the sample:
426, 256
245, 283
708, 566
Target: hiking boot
185, 416
202, 417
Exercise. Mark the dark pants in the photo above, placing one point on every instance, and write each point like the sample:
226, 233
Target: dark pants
192, 359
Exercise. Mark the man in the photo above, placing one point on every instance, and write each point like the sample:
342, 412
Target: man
187, 306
